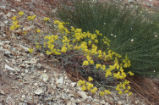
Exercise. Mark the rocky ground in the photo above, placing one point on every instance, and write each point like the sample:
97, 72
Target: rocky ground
33, 79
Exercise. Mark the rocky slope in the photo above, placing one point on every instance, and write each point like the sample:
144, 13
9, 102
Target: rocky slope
33, 79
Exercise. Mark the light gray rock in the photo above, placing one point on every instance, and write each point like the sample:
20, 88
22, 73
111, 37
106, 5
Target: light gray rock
44, 77
39, 91
9, 14
73, 84
60, 80
27, 28
83, 94
8, 68
22, 103
10, 101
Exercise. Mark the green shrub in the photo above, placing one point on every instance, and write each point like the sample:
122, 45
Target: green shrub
129, 29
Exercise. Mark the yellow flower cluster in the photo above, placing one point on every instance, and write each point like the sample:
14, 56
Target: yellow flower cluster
61, 27
124, 87
20, 13
50, 45
46, 19
31, 17
87, 86
126, 62
31, 50
38, 30
105, 92
15, 23
38, 46
88, 61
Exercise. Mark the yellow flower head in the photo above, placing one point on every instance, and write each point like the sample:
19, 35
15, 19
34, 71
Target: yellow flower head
38, 30
101, 93
89, 85
31, 50
91, 62
83, 88
94, 90
107, 92
90, 79
85, 63
46, 19
14, 18
31, 17
20, 13
98, 66
131, 73
64, 49
130, 93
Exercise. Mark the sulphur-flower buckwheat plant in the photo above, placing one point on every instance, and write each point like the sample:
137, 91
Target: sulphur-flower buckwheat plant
70, 42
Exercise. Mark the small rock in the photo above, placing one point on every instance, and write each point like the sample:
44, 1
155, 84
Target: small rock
119, 103
26, 71
2, 6
2, 24
44, 77
13, 10
7, 53
25, 48
33, 61
28, 28
10, 101
71, 103
9, 68
82, 94
73, 84
35, 84
23, 97
9, 14
22, 103
39, 66
103, 102
60, 80
2, 92
39, 91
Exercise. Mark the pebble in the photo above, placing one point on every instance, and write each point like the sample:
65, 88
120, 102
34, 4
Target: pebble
39, 91
60, 80
9, 14
83, 94
73, 84
44, 77
22, 103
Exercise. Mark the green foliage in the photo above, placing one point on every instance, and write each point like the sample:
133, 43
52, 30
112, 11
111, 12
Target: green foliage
129, 29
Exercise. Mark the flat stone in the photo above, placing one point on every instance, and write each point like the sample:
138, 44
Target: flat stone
9, 68
39, 91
